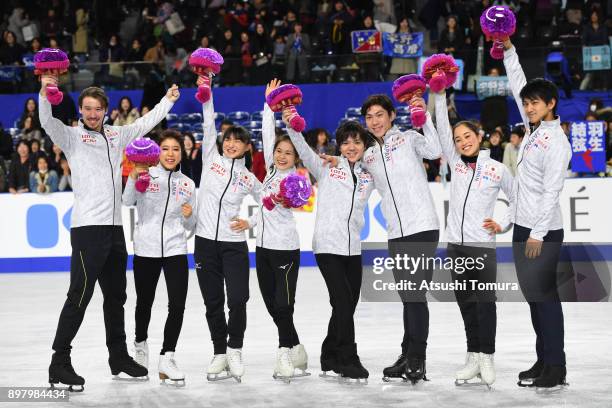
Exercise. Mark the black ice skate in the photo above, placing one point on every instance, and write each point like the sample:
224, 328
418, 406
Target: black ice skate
397, 370
526, 378
126, 364
350, 367
329, 366
551, 379
416, 370
61, 372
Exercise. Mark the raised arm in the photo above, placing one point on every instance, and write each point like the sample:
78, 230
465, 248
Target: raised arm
516, 77
445, 132
311, 160
428, 144
268, 135
57, 131
209, 142
146, 123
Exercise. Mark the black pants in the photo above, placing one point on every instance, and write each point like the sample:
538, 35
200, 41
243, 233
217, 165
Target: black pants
223, 265
277, 273
146, 276
538, 280
477, 308
416, 312
342, 275
98, 254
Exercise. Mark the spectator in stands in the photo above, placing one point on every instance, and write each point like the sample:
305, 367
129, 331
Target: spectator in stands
384, 11
261, 50
52, 26
55, 158
278, 57
297, 53
403, 66
35, 46
231, 70
44, 180
19, 170
191, 163
11, 52
125, 113
65, 183
246, 58
156, 54
339, 35
319, 140
30, 110
35, 153
17, 21
595, 32
258, 167
80, 38
495, 146
6, 144
511, 150
29, 132
111, 54
452, 38
369, 63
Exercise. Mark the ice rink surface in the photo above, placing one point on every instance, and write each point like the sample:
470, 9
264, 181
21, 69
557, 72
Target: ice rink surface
30, 306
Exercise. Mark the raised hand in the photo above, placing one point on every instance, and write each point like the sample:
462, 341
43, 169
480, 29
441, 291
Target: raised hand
272, 85
173, 93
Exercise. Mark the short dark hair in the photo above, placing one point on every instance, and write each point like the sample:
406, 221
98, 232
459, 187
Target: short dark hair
238, 132
519, 131
378, 99
473, 126
226, 122
352, 129
172, 134
540, 88
96, 93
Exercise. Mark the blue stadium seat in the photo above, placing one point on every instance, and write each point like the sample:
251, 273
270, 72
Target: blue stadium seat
198, 136
402, 110
219, 116
253, 124
239, 116
197, 127
172, 117
280, 124
403, 121
257, 116
353, 113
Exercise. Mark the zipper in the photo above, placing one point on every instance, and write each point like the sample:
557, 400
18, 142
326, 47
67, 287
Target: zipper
467, 194
112, 172
348, 223
223, 195
164, 216
391, 191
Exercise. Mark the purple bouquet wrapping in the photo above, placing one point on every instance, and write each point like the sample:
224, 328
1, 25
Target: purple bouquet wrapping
407, 87
497, 23
294, 193
286, 97
143, 151
51, 61
205, 62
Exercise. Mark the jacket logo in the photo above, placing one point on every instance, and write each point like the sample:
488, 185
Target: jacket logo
242, 180
218, 169
335, 173
153, 188
88, 139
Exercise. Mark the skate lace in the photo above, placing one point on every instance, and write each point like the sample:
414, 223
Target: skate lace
172, 363
140, 353
285, 358
487, 361
217, 360
235, 357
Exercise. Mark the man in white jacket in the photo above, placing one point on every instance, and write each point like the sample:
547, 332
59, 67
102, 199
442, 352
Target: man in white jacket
94, 151
543, 159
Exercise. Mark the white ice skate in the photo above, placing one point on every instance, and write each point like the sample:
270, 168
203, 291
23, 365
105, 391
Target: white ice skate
284, 367
470, 370
234, 361
218, 369
487, 368
168, 370
141, 353
299, 358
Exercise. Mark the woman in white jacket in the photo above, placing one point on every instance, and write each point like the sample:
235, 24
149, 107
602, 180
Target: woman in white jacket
470, 232
165, 218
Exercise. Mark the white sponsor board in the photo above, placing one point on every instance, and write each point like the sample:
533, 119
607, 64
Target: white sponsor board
33, 225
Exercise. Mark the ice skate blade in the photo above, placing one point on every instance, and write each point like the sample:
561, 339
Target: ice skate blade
527, 382
551, 390
330, 375
278, 377
473, 384
237, 378
218, 377
300, 372
171, 382
118, 377
66, 387
353, 381
400, 379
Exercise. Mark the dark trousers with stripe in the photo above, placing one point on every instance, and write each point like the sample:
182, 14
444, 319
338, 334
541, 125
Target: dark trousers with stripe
342, 275
478, 308
277, 274
146, 276
416, 312
223, 266
98, 255
538, 279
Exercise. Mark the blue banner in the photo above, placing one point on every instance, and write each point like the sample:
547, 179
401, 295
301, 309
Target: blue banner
403, 45
366, 41
9, 74
596, 58
588, 146
487, 86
